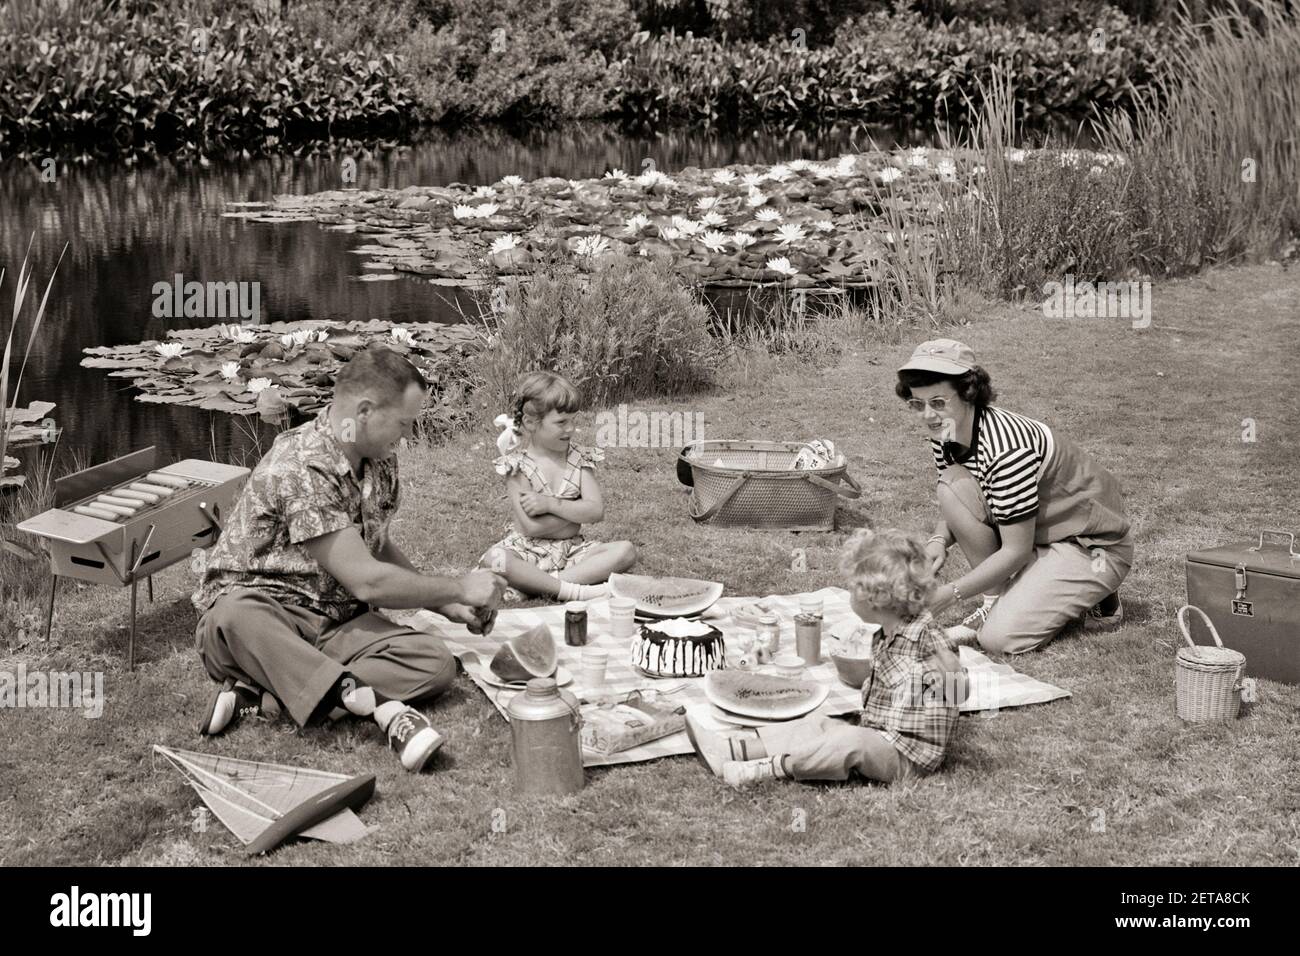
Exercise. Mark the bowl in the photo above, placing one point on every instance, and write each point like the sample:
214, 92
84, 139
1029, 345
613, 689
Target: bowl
852, 670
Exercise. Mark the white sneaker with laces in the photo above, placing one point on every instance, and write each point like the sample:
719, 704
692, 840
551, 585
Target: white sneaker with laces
745, 773
967, 632
1094, 620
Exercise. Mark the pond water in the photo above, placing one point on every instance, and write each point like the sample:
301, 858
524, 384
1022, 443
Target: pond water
128, 227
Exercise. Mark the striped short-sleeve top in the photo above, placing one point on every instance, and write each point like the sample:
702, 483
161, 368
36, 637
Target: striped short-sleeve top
1008, 455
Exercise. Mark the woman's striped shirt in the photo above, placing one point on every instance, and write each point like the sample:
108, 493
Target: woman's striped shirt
1008, 456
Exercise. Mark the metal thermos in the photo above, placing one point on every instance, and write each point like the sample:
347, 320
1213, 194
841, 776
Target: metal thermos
544, 733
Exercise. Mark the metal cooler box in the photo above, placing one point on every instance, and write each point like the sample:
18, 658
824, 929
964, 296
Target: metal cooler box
1252, 594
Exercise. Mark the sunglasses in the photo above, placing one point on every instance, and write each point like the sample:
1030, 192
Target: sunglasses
940, 405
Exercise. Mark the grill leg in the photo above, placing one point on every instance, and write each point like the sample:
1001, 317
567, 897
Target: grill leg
130, 641
151, 589
49, 611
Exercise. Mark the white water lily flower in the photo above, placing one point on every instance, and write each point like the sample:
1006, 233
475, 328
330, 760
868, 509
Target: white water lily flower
714, 241
724, 177
617, 174
257, 385
487, 209
782, 265
461, 211
687, 227
713, 220
779, 173
767, 215
484, 192
636, 223
756, 197
889, 174
742, 240
401, 336
652, 177
917, 159
236, 333
1069, 157
979, 170
823, 225
669, 233
752, 179
799, 165
169, 349
1096, 171
591, 246
947, 170
503, 244
230, 371
789, 233
1016, 155
297, 339
705, 203
845, 166
512, 182
822, 170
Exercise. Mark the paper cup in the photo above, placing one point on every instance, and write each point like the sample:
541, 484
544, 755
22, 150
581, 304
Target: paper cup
592, 667
810, 604
622, 617
787, 665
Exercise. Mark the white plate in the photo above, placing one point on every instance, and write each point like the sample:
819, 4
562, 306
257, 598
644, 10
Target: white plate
738, 720
562, 677
790, 712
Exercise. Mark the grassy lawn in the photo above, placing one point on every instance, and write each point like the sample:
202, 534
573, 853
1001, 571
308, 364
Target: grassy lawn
1108, 776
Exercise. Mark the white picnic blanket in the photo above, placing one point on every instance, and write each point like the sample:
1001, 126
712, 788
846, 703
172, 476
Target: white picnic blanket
992, 686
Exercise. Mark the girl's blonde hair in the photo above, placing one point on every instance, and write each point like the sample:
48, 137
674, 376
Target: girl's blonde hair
541, 392
888, 569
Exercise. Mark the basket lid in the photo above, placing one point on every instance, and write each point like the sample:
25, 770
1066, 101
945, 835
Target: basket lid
1211, 656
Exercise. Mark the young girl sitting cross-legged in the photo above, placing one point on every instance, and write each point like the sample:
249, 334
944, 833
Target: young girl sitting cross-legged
552, 489
909, 699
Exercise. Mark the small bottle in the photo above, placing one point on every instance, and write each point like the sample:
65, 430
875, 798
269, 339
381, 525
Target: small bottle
575, 623
769, 638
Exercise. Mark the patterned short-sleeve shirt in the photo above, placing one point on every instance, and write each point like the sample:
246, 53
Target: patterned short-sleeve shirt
907, 696
301, 489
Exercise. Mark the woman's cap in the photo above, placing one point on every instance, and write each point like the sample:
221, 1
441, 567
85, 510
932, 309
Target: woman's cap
945, 356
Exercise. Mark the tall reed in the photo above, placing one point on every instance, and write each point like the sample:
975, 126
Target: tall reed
1214, 145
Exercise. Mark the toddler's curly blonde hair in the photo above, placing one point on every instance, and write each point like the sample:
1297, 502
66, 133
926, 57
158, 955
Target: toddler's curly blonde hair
888, 569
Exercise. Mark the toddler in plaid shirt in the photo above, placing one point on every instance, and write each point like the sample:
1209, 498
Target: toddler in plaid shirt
910, 698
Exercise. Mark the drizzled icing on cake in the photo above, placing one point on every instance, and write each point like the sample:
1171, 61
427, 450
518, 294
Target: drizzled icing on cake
678, 648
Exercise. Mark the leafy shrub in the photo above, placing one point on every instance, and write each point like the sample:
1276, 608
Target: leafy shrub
629, 330
122, 81
887, 65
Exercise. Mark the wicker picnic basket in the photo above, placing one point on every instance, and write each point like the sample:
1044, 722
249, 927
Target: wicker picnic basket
753, 484
1207, 680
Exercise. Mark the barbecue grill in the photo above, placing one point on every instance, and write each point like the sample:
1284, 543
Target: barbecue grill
127, 519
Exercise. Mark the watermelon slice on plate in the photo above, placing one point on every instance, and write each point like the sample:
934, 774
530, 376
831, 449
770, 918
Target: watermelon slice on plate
764, 696
665, 597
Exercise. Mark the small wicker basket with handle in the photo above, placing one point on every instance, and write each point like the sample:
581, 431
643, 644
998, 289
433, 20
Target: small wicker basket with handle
754, 484
1207, 680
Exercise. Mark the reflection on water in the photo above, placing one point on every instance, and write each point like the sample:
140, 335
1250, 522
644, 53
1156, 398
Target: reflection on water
129, 227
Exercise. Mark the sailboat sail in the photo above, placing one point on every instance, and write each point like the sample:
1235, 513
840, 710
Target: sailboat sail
250, 797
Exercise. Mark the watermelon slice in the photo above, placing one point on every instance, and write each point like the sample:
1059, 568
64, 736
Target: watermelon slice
527, 655
665, 597
762, 695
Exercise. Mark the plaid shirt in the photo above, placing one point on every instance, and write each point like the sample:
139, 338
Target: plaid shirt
301, 489
907, 696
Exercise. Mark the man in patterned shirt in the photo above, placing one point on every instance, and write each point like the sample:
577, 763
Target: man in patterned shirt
283, 602
910, 698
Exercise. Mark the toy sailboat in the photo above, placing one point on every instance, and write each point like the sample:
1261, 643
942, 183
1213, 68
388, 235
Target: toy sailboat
265, 804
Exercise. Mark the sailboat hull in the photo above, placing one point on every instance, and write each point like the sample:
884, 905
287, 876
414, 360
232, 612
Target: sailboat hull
350, 794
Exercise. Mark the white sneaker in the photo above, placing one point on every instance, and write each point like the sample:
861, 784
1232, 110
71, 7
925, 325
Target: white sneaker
717, 749
745, 773
967, 632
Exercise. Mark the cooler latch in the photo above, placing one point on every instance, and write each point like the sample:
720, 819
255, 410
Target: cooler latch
1239, 576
